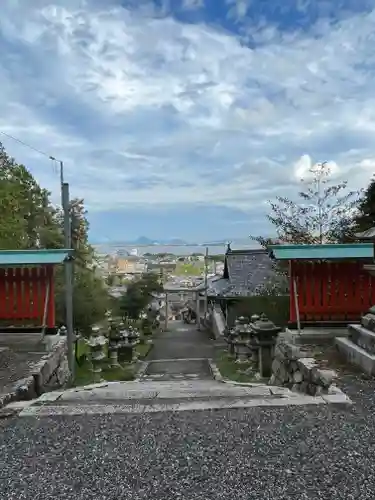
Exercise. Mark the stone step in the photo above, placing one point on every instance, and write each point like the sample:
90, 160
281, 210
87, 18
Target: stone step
362, 337
356, 355
158, 390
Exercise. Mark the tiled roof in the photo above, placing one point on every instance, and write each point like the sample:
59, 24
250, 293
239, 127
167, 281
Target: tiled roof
245, 273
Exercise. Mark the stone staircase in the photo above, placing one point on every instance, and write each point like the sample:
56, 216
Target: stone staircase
359, 346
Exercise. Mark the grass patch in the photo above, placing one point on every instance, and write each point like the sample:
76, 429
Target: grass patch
234, 371
84, 376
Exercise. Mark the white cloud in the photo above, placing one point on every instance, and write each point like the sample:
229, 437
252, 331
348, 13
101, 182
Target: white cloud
153, 111
304, 168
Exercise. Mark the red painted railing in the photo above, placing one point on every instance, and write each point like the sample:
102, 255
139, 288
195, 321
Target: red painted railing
330, 291
23, 293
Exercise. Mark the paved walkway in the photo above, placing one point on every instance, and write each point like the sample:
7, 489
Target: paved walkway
181, 353
181, 341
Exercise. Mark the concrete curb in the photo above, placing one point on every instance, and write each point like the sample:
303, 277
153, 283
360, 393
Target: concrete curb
218, 376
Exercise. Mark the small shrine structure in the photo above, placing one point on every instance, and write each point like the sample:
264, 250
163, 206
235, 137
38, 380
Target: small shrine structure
329, 284
27, 296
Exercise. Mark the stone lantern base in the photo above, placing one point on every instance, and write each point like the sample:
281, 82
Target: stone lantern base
241, 351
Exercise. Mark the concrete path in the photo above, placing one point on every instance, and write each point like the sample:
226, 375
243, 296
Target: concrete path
181, 341
182, 352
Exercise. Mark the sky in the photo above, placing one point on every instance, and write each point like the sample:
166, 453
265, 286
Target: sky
181, 118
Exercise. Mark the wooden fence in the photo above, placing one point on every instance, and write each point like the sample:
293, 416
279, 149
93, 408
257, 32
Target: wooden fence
330, 291
27, 296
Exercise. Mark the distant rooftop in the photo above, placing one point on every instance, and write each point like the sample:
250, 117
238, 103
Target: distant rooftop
245, 273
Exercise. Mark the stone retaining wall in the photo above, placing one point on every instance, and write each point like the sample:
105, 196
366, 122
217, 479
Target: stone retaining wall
50, 372
293, 369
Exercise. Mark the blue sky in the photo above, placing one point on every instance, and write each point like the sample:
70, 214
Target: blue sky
182, 118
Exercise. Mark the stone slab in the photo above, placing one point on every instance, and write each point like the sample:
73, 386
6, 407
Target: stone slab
362, 337
44, 411
180, 367
356, 355
164, 390
315, 335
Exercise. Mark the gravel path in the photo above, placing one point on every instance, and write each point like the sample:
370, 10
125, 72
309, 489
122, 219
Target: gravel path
261, 453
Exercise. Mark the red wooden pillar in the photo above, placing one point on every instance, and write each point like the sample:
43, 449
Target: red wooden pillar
51, 321
3, 293
292, 305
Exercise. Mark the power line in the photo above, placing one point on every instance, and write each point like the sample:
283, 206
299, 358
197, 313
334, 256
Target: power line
43, 153
27, 145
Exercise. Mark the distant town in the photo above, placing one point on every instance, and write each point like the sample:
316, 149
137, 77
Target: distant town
121, 267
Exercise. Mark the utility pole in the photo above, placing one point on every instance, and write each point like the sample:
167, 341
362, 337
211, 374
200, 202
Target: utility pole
206, 282
68, 268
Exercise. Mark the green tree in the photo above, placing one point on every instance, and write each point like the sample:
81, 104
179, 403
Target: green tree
90, 295
110, 279
27, 219
365, 216
324, 213
138, 295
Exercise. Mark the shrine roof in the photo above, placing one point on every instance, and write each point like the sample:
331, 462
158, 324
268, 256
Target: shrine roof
246, 272
37, 257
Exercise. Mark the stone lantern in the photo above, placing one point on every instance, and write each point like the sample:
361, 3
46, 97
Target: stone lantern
114, 334
146, 323
254, 318
231, 335
242, 340
62, 331
264, 338
96, 343
129, 339
112, 326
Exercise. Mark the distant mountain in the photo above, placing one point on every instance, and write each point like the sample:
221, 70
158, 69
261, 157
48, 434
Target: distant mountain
143, 240
176, 241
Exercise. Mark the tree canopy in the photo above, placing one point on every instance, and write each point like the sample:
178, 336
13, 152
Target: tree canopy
139, 294
29, 220
365, 216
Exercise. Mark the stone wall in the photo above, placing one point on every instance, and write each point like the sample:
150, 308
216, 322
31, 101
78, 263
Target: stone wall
292, 368
50, 372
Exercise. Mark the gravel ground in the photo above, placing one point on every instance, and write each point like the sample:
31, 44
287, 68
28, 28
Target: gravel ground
260, 453
14, 366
